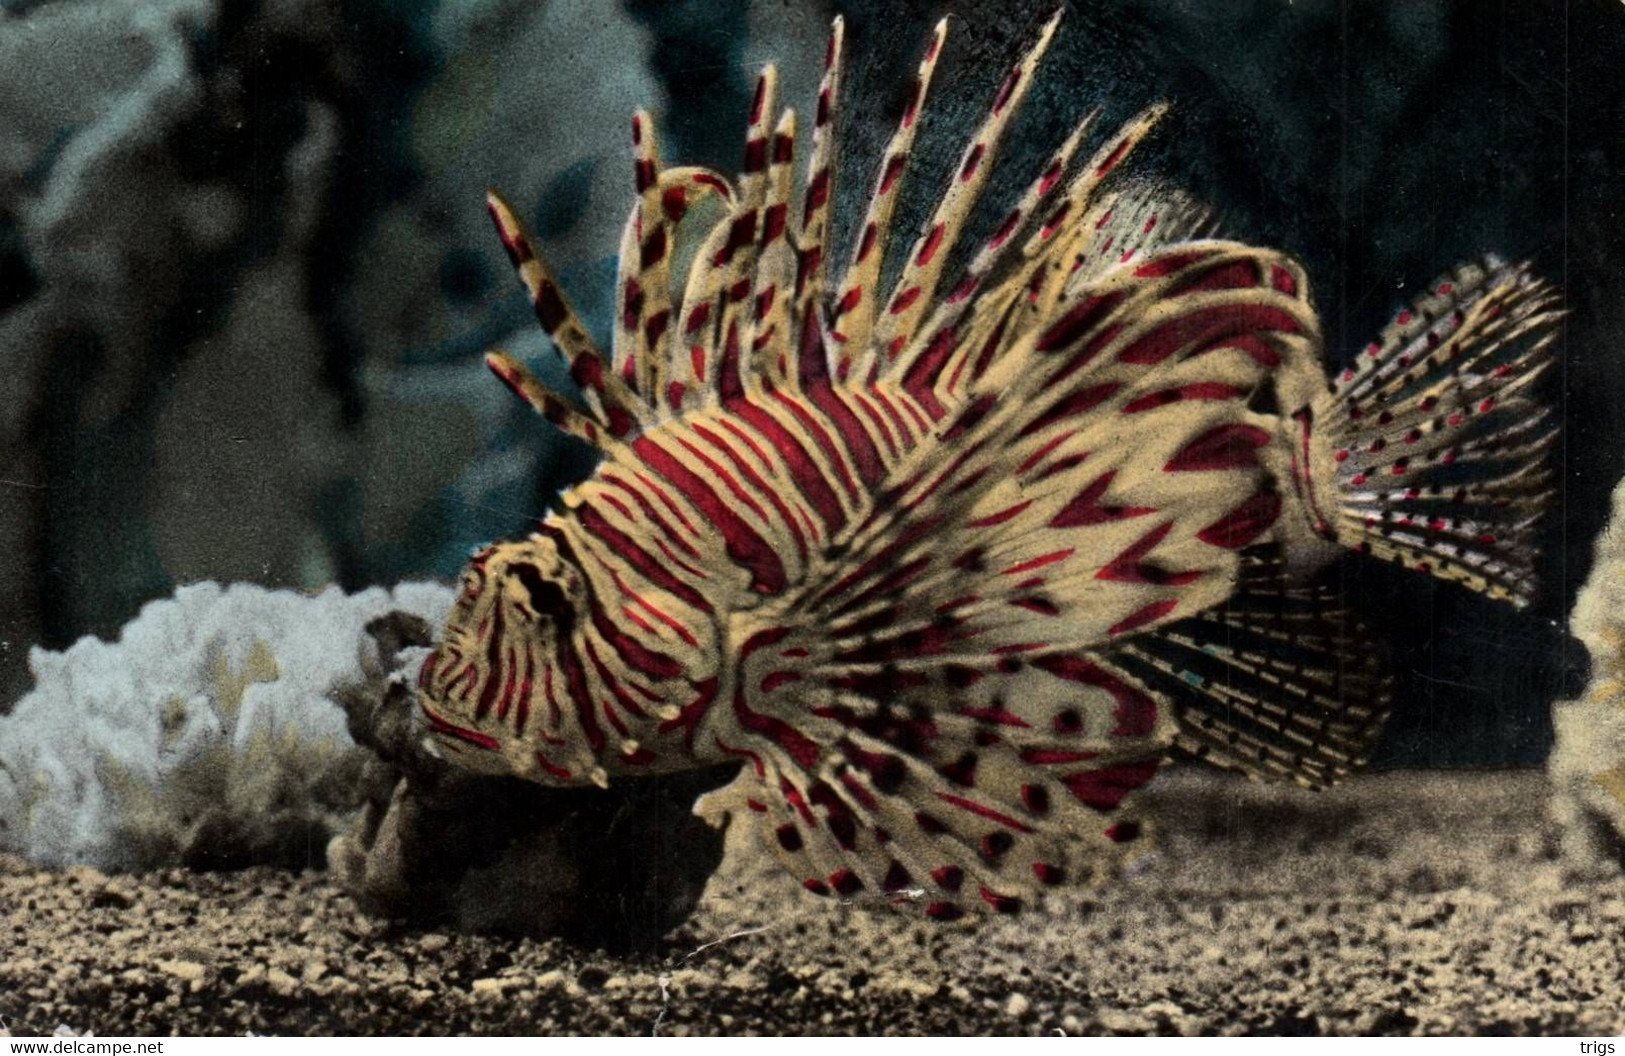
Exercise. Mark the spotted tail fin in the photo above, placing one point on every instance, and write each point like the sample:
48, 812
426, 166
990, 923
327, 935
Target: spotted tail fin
1436, 441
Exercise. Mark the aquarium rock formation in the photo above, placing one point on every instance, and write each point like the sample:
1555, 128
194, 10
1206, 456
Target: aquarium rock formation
236, 726
1587, 763
203, 736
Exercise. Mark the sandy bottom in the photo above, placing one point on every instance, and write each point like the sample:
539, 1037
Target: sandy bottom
1403, 904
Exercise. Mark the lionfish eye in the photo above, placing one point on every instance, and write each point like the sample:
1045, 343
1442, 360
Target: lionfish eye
1265, 400
546, 597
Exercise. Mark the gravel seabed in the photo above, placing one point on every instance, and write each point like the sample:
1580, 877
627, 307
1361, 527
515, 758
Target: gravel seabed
1405, 903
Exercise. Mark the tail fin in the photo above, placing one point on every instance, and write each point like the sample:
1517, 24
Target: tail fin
1438, 444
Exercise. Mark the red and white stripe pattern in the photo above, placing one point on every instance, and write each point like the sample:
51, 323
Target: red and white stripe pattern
888, 548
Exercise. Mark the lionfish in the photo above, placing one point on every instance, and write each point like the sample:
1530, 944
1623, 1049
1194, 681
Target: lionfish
950, 567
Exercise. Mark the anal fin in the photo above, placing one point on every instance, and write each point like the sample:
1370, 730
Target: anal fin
1280, 682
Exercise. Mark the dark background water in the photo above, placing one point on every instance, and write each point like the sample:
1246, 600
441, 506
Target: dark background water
245, 277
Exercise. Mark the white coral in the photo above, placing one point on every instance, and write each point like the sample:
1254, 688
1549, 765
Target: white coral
207, 720
1587, 764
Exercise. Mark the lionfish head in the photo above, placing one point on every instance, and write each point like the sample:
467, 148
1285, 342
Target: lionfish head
518, 601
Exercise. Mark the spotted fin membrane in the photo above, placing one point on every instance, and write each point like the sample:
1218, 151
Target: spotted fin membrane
1439, 444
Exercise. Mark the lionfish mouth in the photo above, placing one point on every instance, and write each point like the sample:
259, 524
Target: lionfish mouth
443, 728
